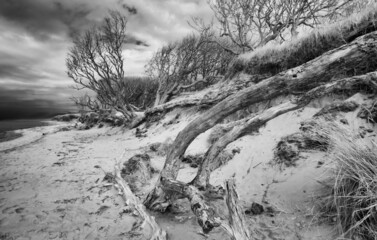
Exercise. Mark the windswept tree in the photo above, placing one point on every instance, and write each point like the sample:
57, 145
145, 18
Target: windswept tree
249, 24
95, 62
184, 64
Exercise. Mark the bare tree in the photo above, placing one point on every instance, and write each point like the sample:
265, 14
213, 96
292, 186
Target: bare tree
95, 62
253, 23
184, 64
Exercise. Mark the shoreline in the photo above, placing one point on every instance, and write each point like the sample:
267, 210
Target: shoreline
9, 136
21, 124
52, 181
14, 139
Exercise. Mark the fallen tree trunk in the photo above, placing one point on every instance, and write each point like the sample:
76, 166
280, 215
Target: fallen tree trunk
367, 82
236, 225
348, 35
217, 93
201, 181
360, 56
206, 215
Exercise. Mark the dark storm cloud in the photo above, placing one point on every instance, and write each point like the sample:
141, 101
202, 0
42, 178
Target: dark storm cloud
15, 72
35, 36
43, 18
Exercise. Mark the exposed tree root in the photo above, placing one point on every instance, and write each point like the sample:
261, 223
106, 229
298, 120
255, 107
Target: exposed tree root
237, 227
156, 232
217, 94
244, 126
336, 107
206, 215
351, 85
248, 125
359, 55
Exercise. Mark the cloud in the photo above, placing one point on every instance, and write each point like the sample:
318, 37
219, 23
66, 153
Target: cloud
45, 18
35, 36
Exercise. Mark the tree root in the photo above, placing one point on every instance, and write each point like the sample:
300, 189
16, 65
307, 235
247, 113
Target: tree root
244, 126
306, 77
237, 226
131, 199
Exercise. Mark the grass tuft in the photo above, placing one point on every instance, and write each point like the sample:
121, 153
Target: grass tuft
274, 58
352, 197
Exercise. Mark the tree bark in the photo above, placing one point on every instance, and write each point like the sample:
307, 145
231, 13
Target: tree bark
207, 217
217, 93
156, 232
367, 82
201, 181
237, 227
360, 56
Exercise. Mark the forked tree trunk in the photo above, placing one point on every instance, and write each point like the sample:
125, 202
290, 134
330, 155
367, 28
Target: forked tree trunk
201, 180
360, 56
207, 217
349, 85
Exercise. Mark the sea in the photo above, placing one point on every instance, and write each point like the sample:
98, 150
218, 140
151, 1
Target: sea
10, 125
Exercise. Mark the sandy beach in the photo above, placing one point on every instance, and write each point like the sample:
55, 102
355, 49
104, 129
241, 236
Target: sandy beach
51, 185
51, 181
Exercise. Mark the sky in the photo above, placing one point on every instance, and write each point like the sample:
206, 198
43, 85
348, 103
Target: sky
36, 35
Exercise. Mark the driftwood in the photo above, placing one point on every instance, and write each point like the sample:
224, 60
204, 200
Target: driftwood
237, 226
303, 78
201, 180
367, 82
131, 199
348, 36
360, 56
217, 93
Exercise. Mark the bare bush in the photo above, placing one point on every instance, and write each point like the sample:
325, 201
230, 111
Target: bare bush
253, 23
95, 62
184, 65
272, 59
140, 91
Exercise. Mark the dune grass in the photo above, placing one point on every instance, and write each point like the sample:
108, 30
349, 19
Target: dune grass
352, 198
274, 58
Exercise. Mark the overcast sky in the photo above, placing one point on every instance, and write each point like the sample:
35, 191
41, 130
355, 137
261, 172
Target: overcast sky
35, 36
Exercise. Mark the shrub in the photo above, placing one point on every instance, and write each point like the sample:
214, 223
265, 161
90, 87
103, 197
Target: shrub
274, 58
140, 91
